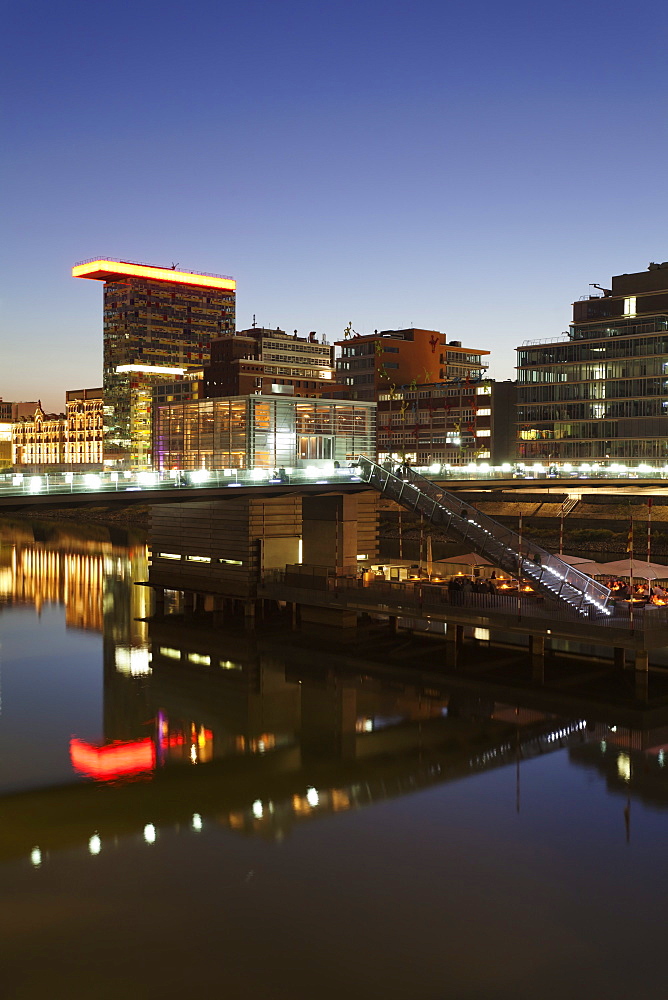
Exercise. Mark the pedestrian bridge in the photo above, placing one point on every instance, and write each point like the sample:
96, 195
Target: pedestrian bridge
27, 490
556, 580
21, 491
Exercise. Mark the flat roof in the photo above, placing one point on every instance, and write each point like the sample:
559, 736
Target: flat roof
399, 335
105, 269
276, 398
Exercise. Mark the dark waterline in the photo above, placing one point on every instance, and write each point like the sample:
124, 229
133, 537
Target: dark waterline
305, 824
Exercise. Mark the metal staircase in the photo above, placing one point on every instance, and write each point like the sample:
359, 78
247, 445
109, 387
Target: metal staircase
549, 574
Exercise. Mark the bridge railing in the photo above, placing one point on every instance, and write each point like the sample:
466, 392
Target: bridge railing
64, 483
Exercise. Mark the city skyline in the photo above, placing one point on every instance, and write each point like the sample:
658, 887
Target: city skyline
450, 167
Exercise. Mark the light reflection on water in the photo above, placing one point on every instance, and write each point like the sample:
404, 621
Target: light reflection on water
183, 798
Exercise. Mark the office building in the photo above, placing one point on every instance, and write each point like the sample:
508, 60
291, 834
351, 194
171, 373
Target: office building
158, 322
383, 362
268, 432
448, 423
600, 391
269, 362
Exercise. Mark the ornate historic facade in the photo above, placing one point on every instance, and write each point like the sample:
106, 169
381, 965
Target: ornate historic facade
61, 439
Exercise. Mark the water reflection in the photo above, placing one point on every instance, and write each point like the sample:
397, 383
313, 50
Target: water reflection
90, 576
206, 725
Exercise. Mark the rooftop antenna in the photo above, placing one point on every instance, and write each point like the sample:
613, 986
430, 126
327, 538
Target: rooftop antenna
174, 266
254, 324
606, 291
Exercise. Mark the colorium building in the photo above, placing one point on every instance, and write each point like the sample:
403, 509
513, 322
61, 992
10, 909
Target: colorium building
158, 324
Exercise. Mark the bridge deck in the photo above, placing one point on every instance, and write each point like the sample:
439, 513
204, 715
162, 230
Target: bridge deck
25, 491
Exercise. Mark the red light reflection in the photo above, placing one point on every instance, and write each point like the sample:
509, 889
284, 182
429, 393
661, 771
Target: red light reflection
114, 760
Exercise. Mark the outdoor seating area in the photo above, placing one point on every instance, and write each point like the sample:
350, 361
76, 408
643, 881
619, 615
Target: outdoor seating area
632, 583
465, 574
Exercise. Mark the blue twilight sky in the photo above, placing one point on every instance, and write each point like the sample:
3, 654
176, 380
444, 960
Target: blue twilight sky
464, 166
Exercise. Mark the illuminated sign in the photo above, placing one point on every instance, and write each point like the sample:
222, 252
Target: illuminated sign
108, 270
112, 761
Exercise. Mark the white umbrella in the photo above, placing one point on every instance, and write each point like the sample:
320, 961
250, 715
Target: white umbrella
636, 568
587, 566
470, 558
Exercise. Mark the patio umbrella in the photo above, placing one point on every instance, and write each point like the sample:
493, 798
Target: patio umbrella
587, 566
636, 568
469, 558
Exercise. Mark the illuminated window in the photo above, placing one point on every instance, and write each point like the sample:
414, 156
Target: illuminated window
198, 559
630, 306
624, 766
483, 434
485, 412
168, 555
231, 562
171, 654
200, 659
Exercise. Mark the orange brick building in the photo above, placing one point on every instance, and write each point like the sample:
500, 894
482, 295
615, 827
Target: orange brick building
383, 362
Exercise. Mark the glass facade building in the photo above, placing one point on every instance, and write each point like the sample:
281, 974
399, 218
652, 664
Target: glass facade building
159, 319
270, 432
600, 392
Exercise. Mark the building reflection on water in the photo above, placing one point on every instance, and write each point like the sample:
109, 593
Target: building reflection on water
91, 577
206, 725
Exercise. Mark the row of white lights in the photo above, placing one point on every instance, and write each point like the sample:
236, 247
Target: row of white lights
95, 842
615, 467
197, 824
94, 481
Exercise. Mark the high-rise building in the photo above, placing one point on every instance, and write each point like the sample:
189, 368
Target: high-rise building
158, 322
269, 361
600, 391
380, 362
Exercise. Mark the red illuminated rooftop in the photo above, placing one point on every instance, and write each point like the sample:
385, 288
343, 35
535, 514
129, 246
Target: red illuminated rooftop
107, 269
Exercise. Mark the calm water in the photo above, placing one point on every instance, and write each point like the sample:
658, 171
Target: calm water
186, 808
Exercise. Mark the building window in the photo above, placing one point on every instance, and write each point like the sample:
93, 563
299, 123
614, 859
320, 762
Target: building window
630, 306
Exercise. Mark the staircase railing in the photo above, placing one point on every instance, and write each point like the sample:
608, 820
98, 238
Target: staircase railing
503, 546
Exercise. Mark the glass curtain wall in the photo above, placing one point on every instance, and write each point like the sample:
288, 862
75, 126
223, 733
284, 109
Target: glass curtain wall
246, 432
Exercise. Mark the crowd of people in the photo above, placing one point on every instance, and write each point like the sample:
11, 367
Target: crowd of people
647, 592
475, 585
